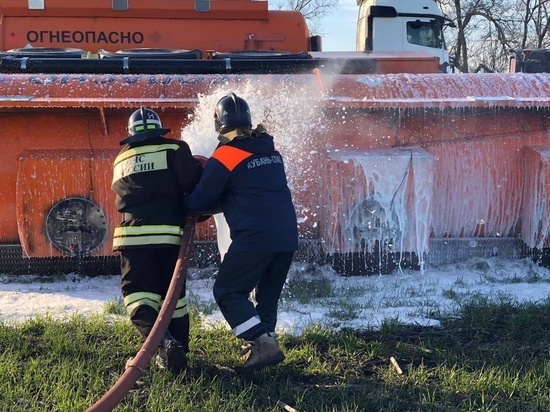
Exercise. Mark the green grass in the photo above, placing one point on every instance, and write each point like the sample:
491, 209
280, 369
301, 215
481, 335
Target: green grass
493, 357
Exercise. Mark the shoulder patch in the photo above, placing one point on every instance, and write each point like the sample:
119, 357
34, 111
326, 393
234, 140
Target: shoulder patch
230, 156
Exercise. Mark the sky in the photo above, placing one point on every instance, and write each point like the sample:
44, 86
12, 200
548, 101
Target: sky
359, 302
338, 28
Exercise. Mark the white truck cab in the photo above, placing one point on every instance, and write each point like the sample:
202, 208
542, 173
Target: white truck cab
402, 25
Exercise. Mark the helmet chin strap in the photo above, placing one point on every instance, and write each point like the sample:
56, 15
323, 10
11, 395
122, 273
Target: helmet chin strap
143, 115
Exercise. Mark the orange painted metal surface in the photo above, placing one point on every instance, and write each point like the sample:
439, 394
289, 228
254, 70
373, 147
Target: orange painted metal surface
475, 146
228, 25
389, 150
475, 177
536, 208
115, 91
483, 90
68, 154
358, 191
46, 175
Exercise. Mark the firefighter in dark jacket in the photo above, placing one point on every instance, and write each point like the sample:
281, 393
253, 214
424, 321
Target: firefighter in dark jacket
151, 175
245, 178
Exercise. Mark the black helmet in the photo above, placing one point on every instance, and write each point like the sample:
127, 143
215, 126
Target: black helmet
143, 120
232, 111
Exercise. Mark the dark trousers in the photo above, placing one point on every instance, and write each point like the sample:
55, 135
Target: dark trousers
242, 272
150, 271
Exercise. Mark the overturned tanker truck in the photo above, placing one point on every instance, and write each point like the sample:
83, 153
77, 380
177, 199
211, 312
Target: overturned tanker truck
399, 162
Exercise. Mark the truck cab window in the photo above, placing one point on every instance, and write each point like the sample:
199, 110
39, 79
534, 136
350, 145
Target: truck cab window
422, 33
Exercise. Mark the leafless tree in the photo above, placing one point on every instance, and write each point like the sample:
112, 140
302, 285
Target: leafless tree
313, 10
481, 39
487, 30
534, 24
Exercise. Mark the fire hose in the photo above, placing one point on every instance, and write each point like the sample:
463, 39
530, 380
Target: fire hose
139, 364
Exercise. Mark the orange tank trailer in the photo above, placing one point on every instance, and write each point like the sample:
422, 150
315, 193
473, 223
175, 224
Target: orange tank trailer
77, 120
221, 25
404, 165
469, 155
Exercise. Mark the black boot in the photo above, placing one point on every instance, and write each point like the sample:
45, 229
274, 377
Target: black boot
179, 329
171, 355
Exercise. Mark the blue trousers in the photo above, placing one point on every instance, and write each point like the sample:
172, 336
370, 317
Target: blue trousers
242, 272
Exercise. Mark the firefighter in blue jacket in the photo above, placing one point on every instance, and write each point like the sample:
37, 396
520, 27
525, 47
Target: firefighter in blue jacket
151, 174
245, 178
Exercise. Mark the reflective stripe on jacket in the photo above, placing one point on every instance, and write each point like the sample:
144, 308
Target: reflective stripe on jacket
150, 179
147, 235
